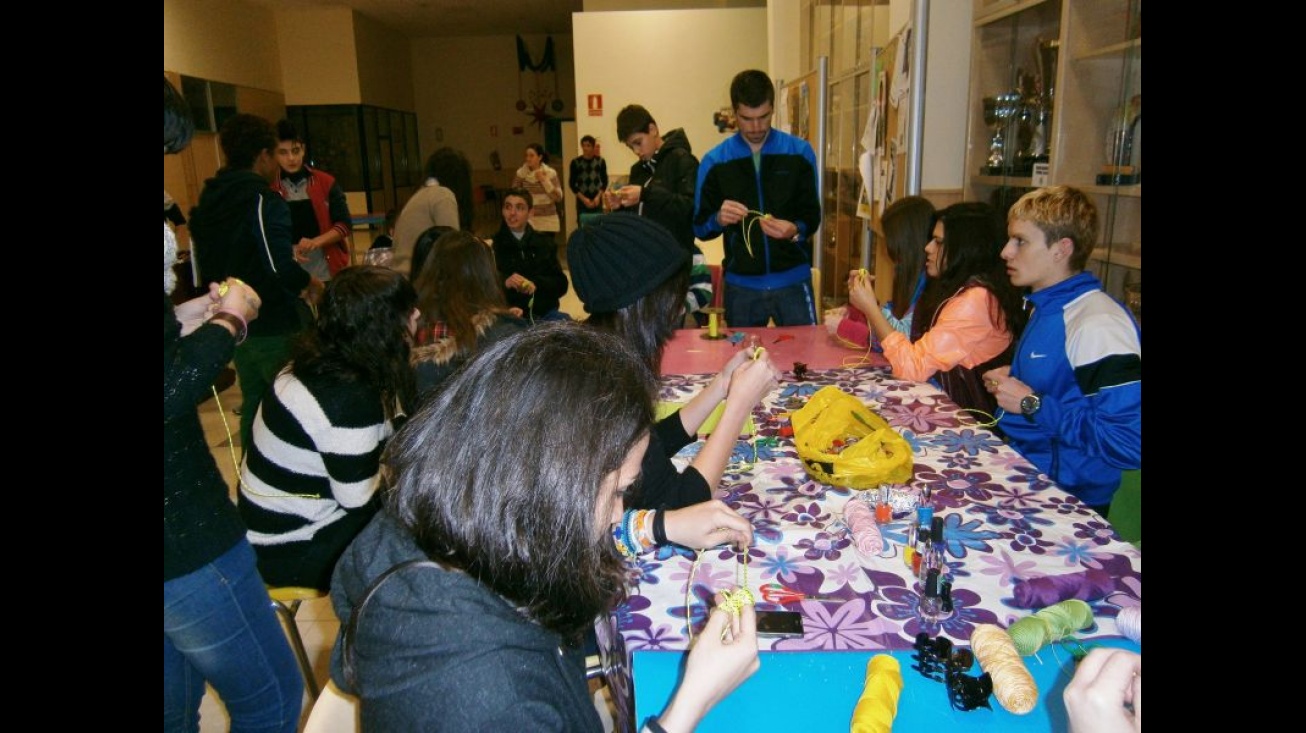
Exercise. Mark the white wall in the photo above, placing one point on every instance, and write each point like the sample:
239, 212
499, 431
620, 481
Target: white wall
677, 63
228, 41
947, 85
466, 90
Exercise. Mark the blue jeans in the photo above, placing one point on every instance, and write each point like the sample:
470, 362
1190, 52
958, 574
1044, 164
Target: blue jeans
789, 306
219, 626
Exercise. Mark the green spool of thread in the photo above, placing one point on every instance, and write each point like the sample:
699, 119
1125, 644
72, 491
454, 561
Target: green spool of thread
1050, 624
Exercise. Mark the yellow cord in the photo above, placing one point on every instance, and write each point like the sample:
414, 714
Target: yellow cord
992, 419
757, 215
231, 447
735, 600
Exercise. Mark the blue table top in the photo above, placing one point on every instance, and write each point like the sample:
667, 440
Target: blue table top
817, 691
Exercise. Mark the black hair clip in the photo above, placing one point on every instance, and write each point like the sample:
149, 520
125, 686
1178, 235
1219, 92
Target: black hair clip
937, 659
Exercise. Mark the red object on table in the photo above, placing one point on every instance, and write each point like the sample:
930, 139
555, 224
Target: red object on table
689, 353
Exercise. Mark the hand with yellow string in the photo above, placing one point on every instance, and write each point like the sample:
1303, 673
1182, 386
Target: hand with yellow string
708, 524
723, 656
232, 296
861, 291
521, 284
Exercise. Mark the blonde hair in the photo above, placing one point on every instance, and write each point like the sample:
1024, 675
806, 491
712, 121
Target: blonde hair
1061, 212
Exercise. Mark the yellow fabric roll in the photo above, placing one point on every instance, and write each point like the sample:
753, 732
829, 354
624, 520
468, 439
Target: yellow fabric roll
1012, 683
878, 704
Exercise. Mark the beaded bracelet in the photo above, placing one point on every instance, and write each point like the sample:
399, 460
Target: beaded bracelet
619, 539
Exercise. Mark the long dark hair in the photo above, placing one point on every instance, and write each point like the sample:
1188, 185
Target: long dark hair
518, 514
458, 281
362, 334
908, 224
650, 322
452, 169
973, 237
178, 124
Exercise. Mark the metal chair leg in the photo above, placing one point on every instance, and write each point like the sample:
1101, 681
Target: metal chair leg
287, 614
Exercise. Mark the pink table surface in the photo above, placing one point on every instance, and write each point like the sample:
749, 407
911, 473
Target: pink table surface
690, 353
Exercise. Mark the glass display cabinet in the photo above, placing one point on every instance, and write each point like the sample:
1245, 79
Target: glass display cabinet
1056, 98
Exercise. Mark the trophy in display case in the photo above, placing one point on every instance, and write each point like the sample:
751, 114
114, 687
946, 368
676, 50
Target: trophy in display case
1123, 157
999, 112
1045, 52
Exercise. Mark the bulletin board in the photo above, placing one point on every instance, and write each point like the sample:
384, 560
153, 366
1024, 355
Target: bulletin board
889, 87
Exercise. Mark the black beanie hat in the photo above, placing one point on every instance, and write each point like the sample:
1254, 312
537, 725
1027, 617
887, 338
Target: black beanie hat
619, 258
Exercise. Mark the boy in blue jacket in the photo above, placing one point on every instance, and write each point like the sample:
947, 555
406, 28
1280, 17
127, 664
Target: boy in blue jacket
1073, 396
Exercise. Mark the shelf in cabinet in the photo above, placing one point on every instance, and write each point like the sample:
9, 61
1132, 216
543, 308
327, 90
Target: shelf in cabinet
1113, 50
1015, 181
1118, 258
1005, 10
1131, 191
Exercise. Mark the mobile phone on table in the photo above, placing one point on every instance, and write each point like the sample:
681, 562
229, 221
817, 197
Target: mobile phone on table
781, 624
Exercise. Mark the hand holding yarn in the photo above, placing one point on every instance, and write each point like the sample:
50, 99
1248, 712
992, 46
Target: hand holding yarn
723, 656
708, 524
1106, 693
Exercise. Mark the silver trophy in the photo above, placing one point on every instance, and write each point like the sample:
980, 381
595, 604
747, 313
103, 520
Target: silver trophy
1046, 52
999, 111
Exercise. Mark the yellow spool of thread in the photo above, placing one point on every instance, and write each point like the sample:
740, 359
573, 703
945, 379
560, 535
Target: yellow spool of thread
714, 322
878, 705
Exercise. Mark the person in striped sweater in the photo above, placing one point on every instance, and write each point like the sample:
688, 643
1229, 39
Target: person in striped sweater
309, 480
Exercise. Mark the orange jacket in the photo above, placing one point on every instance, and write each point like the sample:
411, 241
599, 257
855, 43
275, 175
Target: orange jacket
962, 333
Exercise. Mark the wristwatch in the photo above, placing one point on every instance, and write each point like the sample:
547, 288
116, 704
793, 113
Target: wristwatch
1030, 404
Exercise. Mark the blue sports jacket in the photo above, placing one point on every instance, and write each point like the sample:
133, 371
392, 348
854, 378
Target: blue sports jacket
1082, 354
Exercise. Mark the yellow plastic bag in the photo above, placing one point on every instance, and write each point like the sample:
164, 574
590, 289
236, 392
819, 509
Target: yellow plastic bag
876, 455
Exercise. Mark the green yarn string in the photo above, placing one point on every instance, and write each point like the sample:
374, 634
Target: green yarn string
1050, 624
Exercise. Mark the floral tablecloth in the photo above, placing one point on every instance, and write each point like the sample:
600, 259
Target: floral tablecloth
1004, 521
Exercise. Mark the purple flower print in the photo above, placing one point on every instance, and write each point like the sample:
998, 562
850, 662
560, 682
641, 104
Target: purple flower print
961, 461
1077, 553
1096, 530
1066, 505
918, 417
902, 604
807, 515
1007, 569
629, 616
756, 508
1029, 539
968, 441
660, 638
951, 486
1010, 516
824, 545
1023, 473
1017, 496
847, 625
781, 566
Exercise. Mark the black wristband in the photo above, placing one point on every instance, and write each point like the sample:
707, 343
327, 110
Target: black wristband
653, 725
660, 527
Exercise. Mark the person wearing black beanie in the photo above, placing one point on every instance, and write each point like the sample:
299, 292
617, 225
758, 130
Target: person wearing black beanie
631, 275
